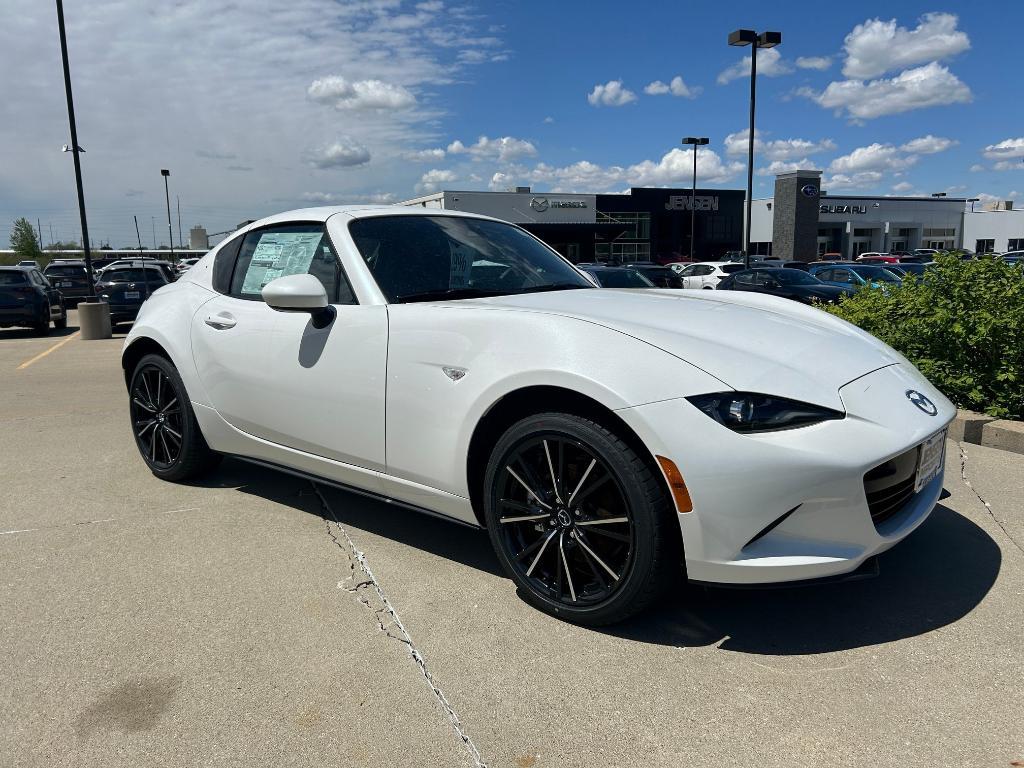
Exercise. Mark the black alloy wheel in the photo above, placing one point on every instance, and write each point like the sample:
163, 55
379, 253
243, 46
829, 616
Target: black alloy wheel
579, 521
163, 423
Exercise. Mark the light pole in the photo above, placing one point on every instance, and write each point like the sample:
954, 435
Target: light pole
75, 151
972, 201
694, 141
170, 233
741, 37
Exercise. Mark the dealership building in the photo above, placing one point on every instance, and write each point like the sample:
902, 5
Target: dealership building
800, 221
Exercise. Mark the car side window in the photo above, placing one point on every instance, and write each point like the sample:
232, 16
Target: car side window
841, 276
744, 278
224, 263
291, 249
687, 271
38, 279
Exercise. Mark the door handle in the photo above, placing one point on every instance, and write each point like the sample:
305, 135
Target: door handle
222, 321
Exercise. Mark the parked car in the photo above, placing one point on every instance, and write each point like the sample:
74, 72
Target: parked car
785, 283
1013, 257
183, 265
70, 277
27, 299
929, 252
597, 435
854, 275
708, 273
617, 277
29, 263
661, 276
832, 256
165, 267
804, 265
872, 257
125, 288
913, 269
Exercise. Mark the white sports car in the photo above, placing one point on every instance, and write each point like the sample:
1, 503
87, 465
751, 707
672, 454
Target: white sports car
604, 438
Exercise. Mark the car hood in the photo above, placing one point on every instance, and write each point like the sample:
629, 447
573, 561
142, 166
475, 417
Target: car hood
752, 342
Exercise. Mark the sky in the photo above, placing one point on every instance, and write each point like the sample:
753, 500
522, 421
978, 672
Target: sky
260, 107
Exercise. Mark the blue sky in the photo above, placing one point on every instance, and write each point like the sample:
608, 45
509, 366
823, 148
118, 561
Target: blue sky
259, 107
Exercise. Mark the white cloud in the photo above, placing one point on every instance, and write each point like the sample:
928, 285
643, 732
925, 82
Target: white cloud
902, 187
360, 94
781, 166
776, 149
928, 145
927, 86
820, 63
341, 198
675, 167
344, 152
676, 87
424, 155
434, 178
1008, 165
852, 181
611, 94
769, 64
1008, 149
874, 157
548, 120
503, 149
876, 47
976, 168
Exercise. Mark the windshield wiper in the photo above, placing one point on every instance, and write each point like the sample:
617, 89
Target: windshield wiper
447, 293
554, 287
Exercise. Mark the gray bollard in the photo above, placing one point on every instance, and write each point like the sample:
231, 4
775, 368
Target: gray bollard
94, 319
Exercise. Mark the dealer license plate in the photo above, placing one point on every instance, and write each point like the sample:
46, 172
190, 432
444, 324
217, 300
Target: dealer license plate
131, 294
65, 283
930, 459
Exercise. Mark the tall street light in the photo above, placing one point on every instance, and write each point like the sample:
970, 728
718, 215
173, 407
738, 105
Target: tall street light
741, 37
694, 141
75, 150
170, 234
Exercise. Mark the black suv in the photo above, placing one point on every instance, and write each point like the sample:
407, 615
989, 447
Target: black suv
28, 299
125, 288
70, 277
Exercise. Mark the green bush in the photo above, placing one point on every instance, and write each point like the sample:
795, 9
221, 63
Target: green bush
961, 324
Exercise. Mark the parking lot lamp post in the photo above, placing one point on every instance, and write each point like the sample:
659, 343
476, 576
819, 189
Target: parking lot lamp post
75, 151
694, 141
742, 37
170, 234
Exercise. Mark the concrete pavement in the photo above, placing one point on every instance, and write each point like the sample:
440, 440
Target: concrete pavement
257, 619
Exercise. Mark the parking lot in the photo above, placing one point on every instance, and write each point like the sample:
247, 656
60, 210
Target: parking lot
258, 619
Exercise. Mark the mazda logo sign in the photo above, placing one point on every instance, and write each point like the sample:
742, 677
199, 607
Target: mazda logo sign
809, 190
539, 204
922, 402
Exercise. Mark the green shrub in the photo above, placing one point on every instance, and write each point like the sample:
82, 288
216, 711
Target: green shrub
962, 325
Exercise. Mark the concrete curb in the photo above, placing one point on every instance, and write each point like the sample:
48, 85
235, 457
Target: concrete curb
979, 429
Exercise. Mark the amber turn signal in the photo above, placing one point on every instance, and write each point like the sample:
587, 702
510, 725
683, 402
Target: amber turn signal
675, 481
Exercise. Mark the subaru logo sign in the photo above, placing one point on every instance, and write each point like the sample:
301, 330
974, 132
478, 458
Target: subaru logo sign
809, 190
923, 403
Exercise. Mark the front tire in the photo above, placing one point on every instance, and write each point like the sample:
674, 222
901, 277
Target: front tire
164, 425
580, 522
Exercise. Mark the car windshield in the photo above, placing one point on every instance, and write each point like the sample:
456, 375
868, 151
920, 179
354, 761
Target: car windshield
137, 275
64, 272
434, 258
622, 278
794, 277
876, 274
13, 278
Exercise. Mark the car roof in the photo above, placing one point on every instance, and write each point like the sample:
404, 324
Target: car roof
13, 267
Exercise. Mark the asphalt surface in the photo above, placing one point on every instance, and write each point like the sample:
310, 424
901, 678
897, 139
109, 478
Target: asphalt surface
254, 619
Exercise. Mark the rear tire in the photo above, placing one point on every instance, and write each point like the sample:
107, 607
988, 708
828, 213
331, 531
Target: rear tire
600, 544
42, 328
164, 425
62, 322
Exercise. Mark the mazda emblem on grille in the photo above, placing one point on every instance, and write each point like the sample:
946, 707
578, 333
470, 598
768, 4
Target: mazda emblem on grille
922, 402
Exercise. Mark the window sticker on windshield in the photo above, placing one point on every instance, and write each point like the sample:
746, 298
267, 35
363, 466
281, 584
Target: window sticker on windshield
462, 265
278, 254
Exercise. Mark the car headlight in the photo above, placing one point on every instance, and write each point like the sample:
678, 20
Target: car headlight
751, 412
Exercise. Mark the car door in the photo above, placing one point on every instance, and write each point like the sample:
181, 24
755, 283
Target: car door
273, 375
53, 296
687, 274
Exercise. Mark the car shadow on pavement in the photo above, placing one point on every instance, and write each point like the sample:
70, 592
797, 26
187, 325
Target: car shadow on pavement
458, 543
28, 333
933, 578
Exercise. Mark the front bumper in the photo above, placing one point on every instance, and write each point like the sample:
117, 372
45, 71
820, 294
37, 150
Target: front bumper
743, 484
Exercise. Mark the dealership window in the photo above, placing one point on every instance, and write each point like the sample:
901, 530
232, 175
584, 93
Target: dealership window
638, 222
622, 253
904, 232
1015, 244
761, 249
862, 232
984, 246
939, 232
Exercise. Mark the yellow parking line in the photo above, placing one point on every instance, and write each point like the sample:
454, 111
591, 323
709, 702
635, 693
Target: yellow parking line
43, 354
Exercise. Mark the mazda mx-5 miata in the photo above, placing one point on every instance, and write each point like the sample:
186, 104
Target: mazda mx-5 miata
604, 438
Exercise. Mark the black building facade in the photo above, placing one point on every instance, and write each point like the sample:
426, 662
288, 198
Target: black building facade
658, 224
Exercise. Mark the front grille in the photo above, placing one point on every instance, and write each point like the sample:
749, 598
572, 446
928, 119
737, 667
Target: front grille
890, 486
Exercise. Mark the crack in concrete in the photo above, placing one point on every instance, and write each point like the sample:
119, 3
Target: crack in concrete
988, 507
365, 589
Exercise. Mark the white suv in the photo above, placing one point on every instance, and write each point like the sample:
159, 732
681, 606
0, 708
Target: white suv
706, 274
